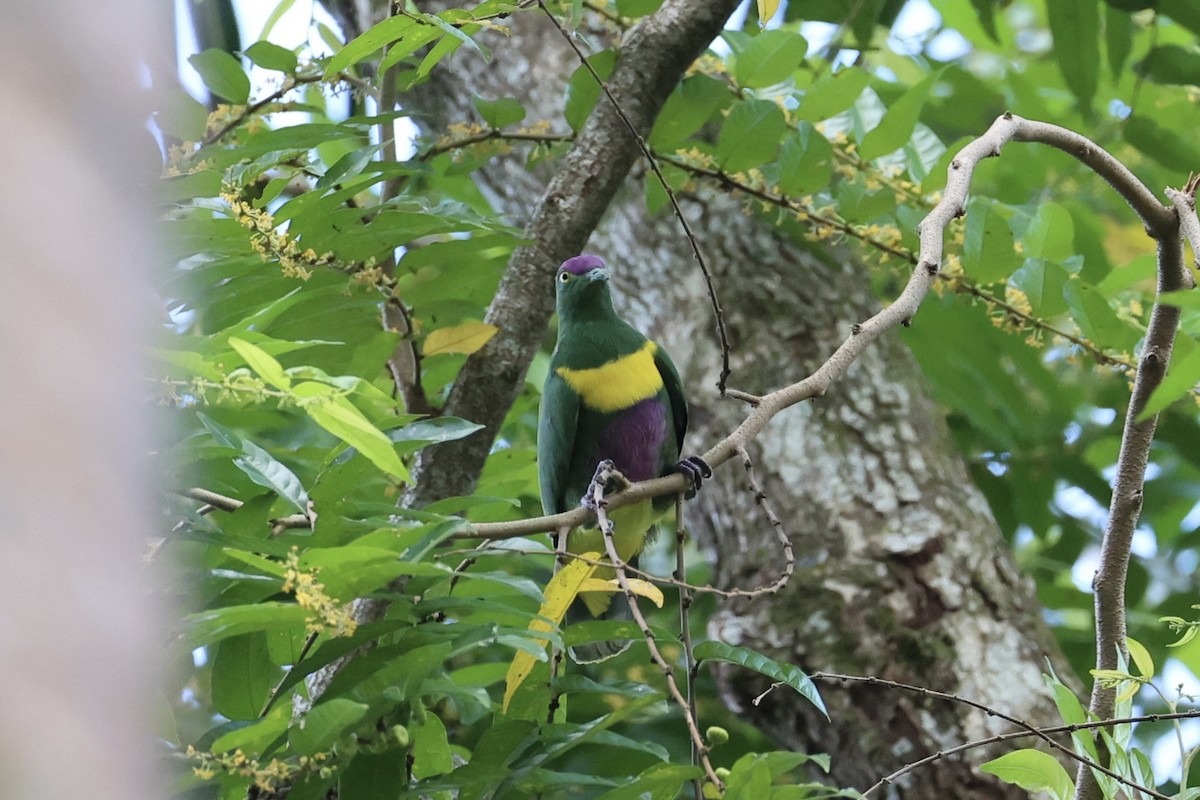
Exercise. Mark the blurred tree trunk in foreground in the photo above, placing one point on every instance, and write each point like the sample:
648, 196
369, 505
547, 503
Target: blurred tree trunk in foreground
77, 640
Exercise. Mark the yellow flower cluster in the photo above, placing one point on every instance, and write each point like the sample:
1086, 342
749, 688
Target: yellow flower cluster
326, 614
272, 245
457, 131
707, 64
220, 116
1018, 300
268, 777
178, 156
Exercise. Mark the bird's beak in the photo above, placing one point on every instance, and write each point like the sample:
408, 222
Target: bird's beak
598, 274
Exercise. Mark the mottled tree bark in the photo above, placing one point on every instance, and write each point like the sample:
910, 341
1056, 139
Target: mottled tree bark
902, 573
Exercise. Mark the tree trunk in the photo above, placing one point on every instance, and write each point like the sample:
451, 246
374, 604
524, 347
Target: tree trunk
902, 573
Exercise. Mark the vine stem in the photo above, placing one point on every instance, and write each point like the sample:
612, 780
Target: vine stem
653, 162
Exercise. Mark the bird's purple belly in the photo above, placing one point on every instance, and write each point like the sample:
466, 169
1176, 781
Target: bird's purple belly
633, 440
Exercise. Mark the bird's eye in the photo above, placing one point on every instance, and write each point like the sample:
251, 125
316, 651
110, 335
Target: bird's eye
564, 277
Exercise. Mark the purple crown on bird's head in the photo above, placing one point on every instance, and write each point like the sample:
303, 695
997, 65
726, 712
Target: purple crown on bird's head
581, 265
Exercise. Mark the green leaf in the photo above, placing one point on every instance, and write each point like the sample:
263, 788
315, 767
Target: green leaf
687, 109
1094, 316
897, 125
324, 724
254, 738
434, 430
336, 414
988, 252
769, 58
222, 74
985, 10
501, 112
267, 367
1069, 707
582, 89
1171, 64
269, 55
1051, 234
410, 43
1184, 298
1118, 38
1042, 282
750, 135
657, 782
1184, 12
276, 14
430, 748
260, 466
1033, 771
1140, 656
242, 676
214, 625
371, 40
790, 674
1160, 143
805, 161
832, 94
454, 32
1183, 374
1075, 26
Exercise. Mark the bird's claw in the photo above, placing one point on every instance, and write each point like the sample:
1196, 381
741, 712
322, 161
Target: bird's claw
696, 470
606, 480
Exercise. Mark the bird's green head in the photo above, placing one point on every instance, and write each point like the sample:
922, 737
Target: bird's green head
582, 289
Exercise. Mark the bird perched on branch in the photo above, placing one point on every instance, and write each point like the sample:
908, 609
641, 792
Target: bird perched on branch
610, 394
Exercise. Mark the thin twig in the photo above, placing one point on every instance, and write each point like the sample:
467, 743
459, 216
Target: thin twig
991, 712
599, 506
1006, 737
278, 690
785, 541
217, 501
685, 625
653, 162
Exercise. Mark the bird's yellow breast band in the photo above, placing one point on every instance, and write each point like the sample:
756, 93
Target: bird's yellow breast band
618, 384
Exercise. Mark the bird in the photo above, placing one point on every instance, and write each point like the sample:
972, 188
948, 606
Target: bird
610, 394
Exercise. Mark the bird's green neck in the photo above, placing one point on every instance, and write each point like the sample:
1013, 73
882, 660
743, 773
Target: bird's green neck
596, 307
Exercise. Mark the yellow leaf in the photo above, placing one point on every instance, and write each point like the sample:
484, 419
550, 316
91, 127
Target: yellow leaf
639, 587
560, 593
262, 362
1141, 657
766, 10
465, 338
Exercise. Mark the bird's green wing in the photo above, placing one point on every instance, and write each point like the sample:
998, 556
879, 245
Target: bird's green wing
675, 393
557, 421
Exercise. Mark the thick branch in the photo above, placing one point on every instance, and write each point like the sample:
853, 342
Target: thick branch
1136, 438
1126, 504
1159, 220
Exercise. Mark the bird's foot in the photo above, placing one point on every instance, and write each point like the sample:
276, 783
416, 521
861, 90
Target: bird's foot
695, 469
606, 480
